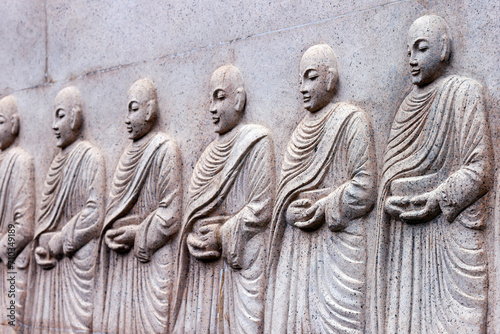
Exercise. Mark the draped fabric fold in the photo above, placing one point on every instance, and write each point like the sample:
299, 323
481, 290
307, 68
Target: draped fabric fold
17, 218
316, 279
432, 277
232, 179
71, 210
146, 193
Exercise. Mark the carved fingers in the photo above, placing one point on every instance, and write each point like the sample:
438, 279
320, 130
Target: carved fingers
205, 245
43, 259
122, 239
55, 246
396, 205
317, 216
428, 209
296, 211
143, 255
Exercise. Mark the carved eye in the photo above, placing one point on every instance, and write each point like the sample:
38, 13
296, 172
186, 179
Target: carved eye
220, 95
60, 113
133, 106
312, 75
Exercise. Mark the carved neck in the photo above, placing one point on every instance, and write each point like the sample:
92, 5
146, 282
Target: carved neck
427, 88
70, 147
144, 138
8, 148
314, 116
228, 135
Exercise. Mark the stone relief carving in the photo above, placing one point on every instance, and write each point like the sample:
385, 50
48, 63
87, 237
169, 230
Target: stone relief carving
245, 261
69, 221
221, 264
327, 185
144, 211
431, 271
17, 215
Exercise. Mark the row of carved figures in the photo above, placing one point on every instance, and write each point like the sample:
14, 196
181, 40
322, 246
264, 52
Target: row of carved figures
244, 253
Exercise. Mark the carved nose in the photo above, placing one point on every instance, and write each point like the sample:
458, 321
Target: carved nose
212, 109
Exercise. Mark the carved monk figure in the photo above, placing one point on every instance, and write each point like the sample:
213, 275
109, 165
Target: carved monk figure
326, 188
68, 225
431, 273
144, 212
17, 216
221, 275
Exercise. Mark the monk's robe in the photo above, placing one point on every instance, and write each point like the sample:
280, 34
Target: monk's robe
233, 179
432, 277
146, 192
317, 278
71, 210
17, 219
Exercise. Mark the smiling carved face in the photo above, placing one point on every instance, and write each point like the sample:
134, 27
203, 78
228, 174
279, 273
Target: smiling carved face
318, 77
141, 109
227, 99
66, 125
428, 49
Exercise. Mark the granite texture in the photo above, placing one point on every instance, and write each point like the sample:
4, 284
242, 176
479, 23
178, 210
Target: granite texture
104, 47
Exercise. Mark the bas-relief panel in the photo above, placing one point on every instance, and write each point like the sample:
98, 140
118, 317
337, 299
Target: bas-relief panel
251, 250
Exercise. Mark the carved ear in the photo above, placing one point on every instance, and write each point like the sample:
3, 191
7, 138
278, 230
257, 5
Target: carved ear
240, 99
151, 109
15, 124
332, 79
75, 117
444, 49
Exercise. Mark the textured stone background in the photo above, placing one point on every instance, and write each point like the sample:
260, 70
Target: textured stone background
104, 46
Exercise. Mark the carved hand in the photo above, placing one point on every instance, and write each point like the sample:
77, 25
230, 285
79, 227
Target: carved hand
55, 246
121, 239
396, 205
43, 258
430, 210
68, 248
296, 211
206, 244
143, 255
315, 216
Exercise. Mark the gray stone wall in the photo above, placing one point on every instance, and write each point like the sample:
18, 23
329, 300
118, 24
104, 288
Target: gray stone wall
103, 47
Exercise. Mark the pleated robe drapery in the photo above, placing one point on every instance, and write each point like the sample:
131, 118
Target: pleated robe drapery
235, 179
61, 298
17, 208
432, 277
134, 296
317, 279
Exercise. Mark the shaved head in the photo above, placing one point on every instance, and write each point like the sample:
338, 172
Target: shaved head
144, 89
9, 121
321, 54
142, 108
433, 27
8, 106
318, 76
228, 73
69, 96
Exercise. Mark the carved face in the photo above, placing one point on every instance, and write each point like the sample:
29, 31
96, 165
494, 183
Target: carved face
316, 84
63, 126
426, 52
139, 115
6, 134
224, 105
